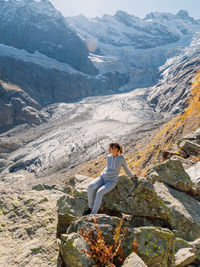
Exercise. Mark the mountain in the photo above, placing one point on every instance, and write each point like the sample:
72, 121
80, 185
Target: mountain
69, 87
177, 76
133, 45
43, 61
38, 26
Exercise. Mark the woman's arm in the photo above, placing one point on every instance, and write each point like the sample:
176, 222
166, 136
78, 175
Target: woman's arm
128, 172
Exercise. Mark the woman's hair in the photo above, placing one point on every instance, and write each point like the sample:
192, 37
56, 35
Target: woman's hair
118, 146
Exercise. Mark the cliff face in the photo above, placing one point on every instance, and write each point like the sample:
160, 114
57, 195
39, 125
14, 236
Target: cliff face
38, 26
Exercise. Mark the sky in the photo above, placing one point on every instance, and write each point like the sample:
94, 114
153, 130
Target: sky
139, 8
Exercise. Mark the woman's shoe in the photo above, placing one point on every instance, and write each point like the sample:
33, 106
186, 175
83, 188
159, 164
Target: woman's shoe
86, 212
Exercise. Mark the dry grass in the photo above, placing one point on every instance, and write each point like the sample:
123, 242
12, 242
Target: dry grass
169, 133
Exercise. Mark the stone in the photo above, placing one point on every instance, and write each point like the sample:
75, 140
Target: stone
184, 257
172, 173
194, 173
68, 210
155, 244
190, 147
194, 136
140, 199
183, 213
133, 260
70, 246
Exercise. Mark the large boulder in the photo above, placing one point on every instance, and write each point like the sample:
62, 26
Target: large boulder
194, 137
189, 147
155, 245
69, 208
194, 173
172, 173
139, 198
190, 143
183, 211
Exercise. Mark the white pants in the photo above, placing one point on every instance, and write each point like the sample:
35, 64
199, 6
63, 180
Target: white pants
102, 186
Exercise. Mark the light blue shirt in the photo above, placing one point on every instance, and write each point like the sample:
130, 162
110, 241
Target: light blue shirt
113, 166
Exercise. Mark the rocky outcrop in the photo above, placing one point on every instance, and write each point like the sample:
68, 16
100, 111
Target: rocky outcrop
17, 106
155, 244
27, 226
172, 173
160, 208
48, 81
190, 147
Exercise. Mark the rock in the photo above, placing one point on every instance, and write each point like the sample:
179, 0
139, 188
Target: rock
69, 247
194, 136
183, 213
155, 245
16, 106
68, 210
194, 173
185, 162
6, 113
196, 245
181, 243
172, 173
190, 147
133, 260
184, 257
27, 225
155, 203
105, 222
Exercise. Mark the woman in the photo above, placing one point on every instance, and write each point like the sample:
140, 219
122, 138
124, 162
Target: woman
108, 178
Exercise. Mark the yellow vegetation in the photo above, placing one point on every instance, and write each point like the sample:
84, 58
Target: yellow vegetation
104, 254
169, 133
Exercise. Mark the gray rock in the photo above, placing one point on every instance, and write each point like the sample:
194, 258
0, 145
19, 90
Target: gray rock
133, 260
191, 148
172, 173
155, 245
184, 257
194, 173
70, 246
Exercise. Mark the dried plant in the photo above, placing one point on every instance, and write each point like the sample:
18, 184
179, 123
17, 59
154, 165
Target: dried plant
104, 254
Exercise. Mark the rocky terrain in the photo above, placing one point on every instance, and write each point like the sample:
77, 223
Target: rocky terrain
161, 211
68, 92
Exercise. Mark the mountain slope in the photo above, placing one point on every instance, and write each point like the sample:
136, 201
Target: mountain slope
178, 73
38, 26
133, 45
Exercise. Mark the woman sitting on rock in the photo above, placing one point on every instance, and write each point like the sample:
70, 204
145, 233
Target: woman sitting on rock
108, 178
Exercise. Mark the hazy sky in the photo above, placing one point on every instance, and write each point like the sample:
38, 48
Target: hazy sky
93, 8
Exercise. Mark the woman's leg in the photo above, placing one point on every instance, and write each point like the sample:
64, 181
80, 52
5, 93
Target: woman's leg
96, 183
107, 187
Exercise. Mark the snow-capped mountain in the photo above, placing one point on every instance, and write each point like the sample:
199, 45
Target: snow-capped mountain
38, 26
123, 29
50, 59
137, 46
